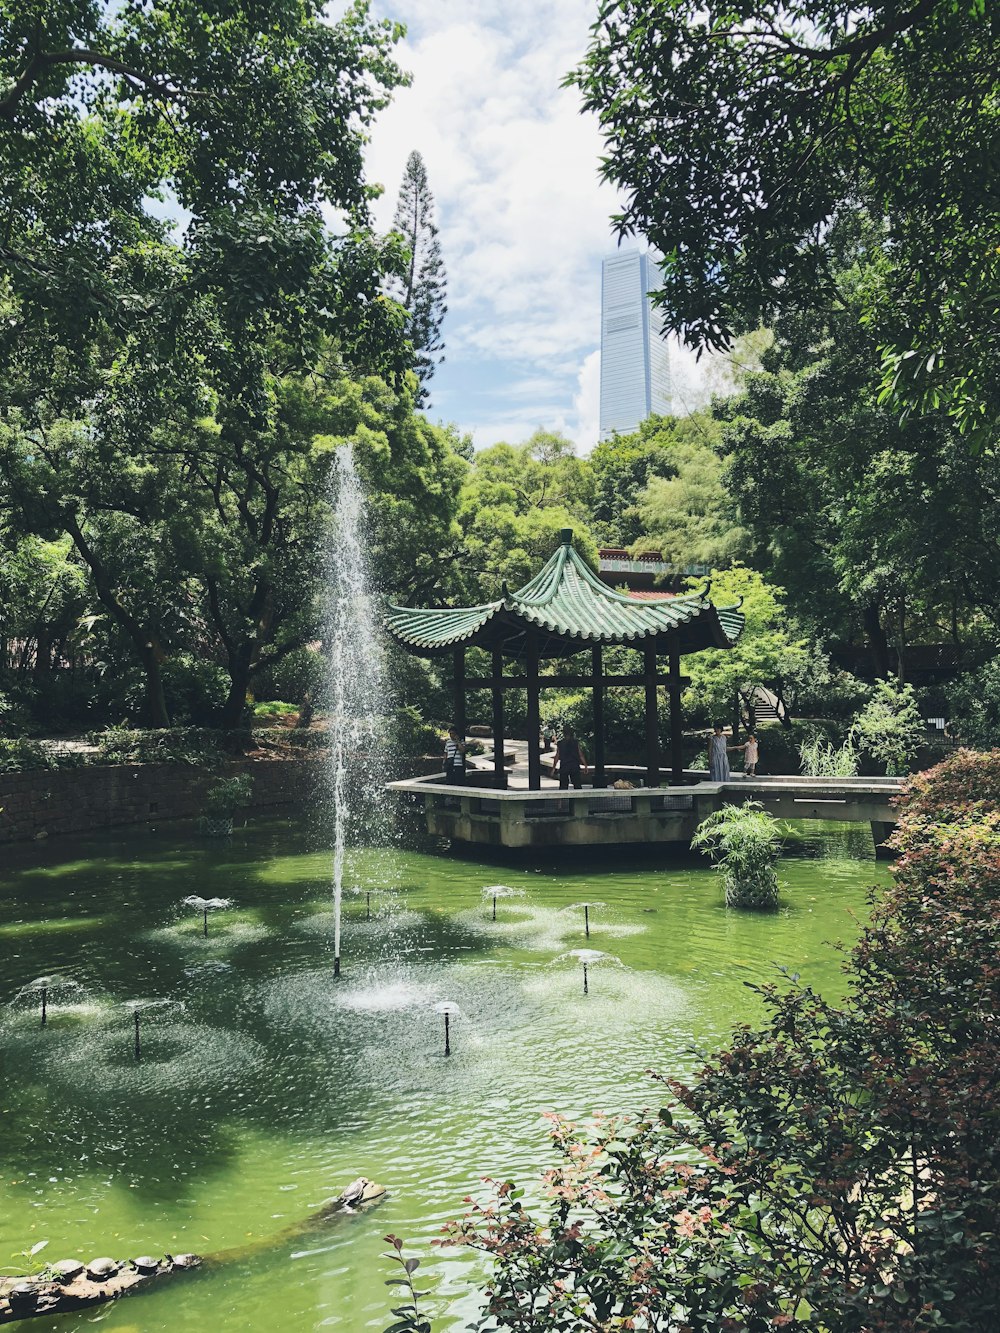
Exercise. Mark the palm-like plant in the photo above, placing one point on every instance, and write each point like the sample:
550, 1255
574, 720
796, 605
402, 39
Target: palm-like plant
745, 843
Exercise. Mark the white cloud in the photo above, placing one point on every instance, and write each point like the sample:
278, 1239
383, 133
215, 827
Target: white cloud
587, 403
513, 165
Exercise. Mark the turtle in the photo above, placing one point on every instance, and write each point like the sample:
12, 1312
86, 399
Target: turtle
100, 1269
65, 1270
146, 1264
354, 1192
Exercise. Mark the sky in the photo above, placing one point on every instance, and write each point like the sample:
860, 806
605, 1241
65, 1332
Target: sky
524, 219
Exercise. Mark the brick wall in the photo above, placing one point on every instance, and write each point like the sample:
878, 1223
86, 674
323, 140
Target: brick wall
49, 802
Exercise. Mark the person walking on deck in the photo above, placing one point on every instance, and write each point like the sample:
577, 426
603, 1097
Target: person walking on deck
569, 760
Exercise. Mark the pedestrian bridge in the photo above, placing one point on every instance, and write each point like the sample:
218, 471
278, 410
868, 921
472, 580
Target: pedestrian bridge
518, 818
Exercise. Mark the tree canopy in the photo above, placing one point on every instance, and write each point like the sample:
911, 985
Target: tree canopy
736, 134
421, 286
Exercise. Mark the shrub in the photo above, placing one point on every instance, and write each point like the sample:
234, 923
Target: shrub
890, 727
18, 755
412, 735
274, 708
974, 706
780, 746
224, 798
821, 759
195, 690
745, 842
168, 745
836, 1168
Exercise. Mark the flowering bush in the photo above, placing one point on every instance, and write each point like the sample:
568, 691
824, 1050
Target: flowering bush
834, 1169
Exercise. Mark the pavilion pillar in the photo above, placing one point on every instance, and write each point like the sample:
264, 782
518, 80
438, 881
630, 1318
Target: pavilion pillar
499, 773
652, 720
597, 671
676, 738
534, 723
458, 685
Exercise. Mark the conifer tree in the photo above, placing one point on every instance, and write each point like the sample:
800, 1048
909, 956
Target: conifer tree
421, 289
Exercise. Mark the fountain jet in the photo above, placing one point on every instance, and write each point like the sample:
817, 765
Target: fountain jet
574, 907
357, 693
48, 991
448, 1008
589, 958
206, 905
496, 891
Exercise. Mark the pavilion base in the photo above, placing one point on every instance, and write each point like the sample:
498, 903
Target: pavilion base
602, 817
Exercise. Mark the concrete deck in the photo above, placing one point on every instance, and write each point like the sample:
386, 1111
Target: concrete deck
518, 818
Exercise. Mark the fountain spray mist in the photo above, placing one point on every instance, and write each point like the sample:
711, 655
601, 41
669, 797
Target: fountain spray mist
356, 687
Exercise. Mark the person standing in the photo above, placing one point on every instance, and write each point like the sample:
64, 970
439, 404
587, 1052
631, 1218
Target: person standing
751, 755
454, 757
569, 760
718, 756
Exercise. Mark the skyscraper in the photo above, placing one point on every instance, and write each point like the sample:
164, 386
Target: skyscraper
635, 363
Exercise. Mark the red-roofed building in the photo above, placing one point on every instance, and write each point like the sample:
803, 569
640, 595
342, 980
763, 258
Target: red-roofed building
648, 577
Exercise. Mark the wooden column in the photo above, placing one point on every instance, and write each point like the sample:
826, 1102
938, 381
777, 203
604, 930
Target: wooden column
652, 721
597, 670
531, 671
676, 739
499, 772
458, 685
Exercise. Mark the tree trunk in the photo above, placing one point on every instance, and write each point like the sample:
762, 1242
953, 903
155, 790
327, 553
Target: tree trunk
154, 700
146, 645
240, 670
877, 641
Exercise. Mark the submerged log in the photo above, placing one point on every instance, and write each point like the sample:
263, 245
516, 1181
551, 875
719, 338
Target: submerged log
69, 1285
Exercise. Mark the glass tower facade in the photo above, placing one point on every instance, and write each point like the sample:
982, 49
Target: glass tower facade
635, 362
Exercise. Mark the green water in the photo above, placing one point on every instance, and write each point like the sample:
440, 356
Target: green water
274, 1085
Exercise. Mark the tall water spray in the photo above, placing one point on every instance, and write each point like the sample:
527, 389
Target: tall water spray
357, 695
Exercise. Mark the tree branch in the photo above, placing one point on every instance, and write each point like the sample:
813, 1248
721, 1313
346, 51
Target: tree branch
82, 55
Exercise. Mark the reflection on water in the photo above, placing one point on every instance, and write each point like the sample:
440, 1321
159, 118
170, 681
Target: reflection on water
273, 1086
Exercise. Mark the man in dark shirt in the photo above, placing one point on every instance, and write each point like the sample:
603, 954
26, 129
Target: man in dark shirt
569, 760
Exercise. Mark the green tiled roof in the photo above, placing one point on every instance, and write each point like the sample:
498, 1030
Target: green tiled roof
569, 606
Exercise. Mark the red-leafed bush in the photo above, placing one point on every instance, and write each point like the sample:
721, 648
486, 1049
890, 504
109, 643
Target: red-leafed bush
835, 1169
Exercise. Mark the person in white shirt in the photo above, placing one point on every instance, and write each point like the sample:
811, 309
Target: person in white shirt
454, 757
751, 755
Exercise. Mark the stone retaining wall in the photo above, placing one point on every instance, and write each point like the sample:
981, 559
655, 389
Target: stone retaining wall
48, 802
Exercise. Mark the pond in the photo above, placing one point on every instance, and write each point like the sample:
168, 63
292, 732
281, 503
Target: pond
266, 1085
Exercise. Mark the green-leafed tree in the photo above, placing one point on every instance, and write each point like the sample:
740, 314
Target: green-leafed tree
770, 647
882, 531
421, 286
690, 517
198, 535
513, 504
736, 134
625, 465
144, 376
